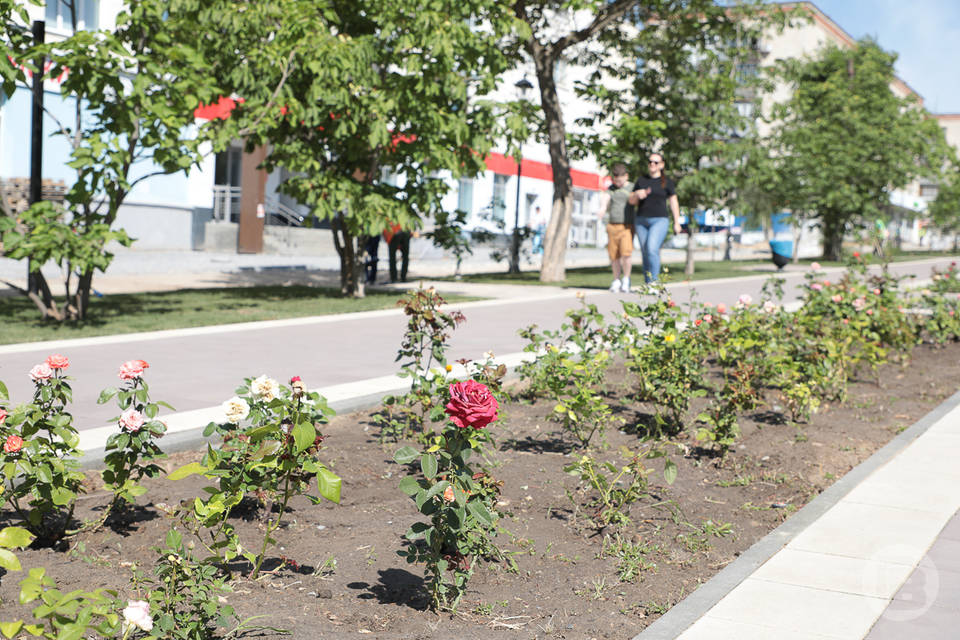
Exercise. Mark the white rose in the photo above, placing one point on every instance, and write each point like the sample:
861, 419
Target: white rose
265, 388
137, 613
236, 409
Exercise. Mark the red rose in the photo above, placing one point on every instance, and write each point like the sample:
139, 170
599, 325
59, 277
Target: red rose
57, 361
856, 254
471, 405
294, 379
13, 444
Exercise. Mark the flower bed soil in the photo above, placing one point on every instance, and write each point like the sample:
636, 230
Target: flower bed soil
563, 589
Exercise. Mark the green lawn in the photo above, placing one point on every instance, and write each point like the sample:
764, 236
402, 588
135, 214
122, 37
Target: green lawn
128, 313
599, 277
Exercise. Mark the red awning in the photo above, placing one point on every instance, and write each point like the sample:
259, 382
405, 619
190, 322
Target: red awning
499, 163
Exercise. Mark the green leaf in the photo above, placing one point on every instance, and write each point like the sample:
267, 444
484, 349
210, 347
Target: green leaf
15, 537
410, 486
480, 512
669, 471
329, 485
187, 470
62, 497
10, 629
405, 455
106, 394
9, 561
304, 435
428, 464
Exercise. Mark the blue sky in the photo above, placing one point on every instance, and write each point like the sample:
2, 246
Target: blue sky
925, 34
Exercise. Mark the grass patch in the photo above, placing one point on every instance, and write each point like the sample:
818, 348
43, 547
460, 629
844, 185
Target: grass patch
135, 312
599, 277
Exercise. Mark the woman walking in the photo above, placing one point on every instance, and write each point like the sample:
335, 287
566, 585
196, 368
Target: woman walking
652, 196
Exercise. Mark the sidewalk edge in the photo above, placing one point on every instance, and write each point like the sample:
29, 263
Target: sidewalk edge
686, 612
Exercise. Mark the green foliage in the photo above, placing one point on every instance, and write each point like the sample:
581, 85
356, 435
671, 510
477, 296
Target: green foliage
737, 395
668, 364
460, 504
273, 459
135, 89
842, 108
185, 596
612, 488
423, 357
62, 616
41, 479
13, 39
400, 98
131, 455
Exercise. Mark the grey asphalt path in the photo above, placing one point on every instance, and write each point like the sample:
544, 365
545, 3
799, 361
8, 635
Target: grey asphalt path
199, 368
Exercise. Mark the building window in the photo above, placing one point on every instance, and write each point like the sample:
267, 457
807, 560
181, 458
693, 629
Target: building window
929, 191
465, 196
60, 17
499, 196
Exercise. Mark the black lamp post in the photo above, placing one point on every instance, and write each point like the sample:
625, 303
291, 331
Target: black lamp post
523, 85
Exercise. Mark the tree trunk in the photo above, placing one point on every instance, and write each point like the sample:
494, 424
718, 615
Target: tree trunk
351, 253
553, 267
833, 228
84, 285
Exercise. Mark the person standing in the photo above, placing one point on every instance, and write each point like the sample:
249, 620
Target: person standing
371, 248
653, 196
398, 239
618, 214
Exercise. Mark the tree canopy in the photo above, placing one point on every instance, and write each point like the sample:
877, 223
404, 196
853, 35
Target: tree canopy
846, 140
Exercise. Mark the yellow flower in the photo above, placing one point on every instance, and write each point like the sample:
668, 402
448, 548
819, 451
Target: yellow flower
669, 338
449, 368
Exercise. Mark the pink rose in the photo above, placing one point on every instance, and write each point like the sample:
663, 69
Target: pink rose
3, 416
816, 286
708, 318
132, 369
745, 299
846, 321
856, 254
708, 305
869, 312
471, 405
671, 303
859, 304
131, 420
837, 298
826, 283
41, 373
57, 361
698, 322
721, 308
876, 292
13, 444
815, 266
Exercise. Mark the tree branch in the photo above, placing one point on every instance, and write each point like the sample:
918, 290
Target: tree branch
270, 103
609, 14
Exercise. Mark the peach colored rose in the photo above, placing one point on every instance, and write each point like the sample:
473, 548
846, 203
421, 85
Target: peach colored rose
815, 266
41, 373
132, 369
448, 494
57, 361
131, 420
13, 444
744, 299
837, 298
708, 318
721, 308
3, 416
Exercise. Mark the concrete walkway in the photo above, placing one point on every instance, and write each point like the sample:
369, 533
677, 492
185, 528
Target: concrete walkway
878, 550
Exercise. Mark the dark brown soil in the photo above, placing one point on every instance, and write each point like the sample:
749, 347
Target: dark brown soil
565, 587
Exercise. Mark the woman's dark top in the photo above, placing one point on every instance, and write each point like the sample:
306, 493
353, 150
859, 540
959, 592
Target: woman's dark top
655, 204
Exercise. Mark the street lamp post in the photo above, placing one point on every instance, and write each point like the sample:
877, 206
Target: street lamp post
523, 85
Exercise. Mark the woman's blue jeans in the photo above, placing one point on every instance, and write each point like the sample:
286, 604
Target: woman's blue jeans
651, 232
